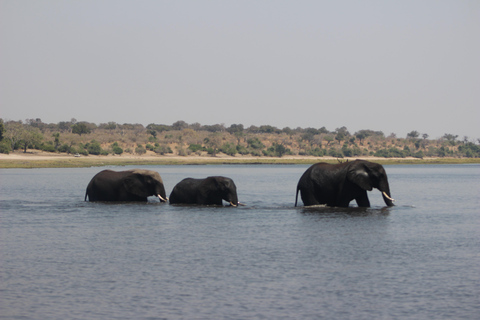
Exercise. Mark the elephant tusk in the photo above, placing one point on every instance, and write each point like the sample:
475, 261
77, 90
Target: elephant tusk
232, 204
161, 198
386, 196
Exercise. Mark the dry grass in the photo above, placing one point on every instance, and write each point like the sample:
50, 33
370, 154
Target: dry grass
47, 160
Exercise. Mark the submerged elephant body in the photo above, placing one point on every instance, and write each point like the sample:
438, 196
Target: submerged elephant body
208, 191
130, 185
337, 184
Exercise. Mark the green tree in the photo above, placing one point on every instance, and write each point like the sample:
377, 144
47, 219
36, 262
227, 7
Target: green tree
413, 134
213, 142
229, 148
329, 139
80, 128
116, 148
13, 133
30, 136
4, 145
234, 128
450, 138
94, 147
140, 150
2, 129
280, 149
56, 141
194, 147
255, 143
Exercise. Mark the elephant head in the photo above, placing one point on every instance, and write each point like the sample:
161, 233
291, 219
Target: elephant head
226, 189
145, 183
368, 175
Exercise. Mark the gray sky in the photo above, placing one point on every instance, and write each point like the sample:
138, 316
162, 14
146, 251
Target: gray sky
391, 66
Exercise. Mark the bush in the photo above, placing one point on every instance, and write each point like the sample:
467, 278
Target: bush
392, 153
316, 152
419, 155
47, 147
276, 150
81, 151
256, 153
64, 148
94, 147
5, 147
196, 147
116, 148
229, 149
183, 153
335, 153
163, 149
255, 143
242, 150
140, 150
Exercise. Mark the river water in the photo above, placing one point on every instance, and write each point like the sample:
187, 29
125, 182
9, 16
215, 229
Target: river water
63, 258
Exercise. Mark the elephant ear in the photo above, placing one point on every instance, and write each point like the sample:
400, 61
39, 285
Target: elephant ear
224, 184
359, 176
134, 184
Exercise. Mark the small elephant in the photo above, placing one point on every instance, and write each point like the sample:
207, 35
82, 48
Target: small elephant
208, 191
337, 184
129, 185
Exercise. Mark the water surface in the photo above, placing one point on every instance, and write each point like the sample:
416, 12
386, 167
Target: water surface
63, 258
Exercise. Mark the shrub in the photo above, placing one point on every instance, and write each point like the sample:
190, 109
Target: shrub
335, 153
196, 147
47, 147
316, 152
116, 148
140, 150
229, 149
256, 153
242, 150
183, 153
163, 149
94, 147
255, 143
5, 147
419, 155
276, 150
64, 148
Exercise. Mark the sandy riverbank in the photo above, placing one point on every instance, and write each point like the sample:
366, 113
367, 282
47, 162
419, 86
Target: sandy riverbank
38, 159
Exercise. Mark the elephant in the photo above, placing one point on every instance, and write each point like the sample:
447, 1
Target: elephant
129, 185
335, 185
208, 191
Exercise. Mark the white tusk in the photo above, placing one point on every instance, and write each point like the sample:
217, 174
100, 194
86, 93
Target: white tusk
161, 198
233, 205
386, 196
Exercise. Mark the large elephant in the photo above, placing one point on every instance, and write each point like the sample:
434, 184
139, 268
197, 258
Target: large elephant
208, 191
337, 184
129, 185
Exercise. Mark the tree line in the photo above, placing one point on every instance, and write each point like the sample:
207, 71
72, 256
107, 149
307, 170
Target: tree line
181, 138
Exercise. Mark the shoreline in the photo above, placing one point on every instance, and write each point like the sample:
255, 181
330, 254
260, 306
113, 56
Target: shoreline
39, 159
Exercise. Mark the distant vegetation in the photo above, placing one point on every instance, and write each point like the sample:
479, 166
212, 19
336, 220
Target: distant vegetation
185, 139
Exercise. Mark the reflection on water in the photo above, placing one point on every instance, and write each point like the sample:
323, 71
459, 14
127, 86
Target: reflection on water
332, 212
63, 258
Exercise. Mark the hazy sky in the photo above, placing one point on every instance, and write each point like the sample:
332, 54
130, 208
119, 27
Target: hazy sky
391, 66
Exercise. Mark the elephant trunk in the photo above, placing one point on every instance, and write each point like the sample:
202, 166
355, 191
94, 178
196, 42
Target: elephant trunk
387, 196
388, 200
233, 200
